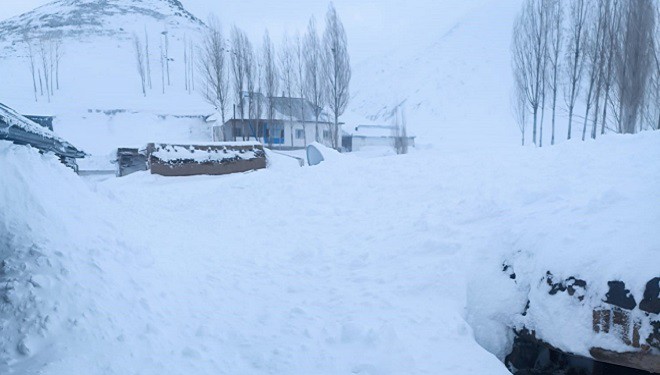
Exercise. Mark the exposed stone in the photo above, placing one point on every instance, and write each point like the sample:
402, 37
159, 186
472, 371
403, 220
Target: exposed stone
651, 301
619, 296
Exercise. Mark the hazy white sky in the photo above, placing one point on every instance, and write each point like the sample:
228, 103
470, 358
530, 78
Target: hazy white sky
373, 26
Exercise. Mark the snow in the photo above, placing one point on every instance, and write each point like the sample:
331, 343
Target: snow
359, 265
219, 153
11, 118
371, 263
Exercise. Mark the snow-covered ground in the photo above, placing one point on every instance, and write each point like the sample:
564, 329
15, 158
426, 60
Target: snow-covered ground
387, 265
369, 263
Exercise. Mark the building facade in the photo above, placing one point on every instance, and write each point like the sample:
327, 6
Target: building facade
293, 124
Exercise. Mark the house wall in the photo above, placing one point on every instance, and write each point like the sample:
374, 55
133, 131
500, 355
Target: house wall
225, 133
309, 135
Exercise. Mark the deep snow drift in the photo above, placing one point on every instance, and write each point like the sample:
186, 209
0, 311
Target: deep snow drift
368, 266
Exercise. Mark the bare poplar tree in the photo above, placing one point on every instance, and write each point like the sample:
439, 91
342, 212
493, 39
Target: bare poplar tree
300, 81
270, 81
519, 102
31, 59
139, 59
400, 132
186, 71
237, 55
41, 85
212, 66
250, 82
555, 24
593, 47
575, 56
51, 64
634, 61
604, 16
313, 73
656, 65
45, 64
162, 64
529, 55
287, 76
544, 66
258, 96
147, 57
166, 54
613, 25
59, 53
337, 69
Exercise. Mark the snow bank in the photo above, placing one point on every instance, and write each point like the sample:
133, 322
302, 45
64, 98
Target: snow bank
40, 205
318, 153
366, 266
60, 262
580, 210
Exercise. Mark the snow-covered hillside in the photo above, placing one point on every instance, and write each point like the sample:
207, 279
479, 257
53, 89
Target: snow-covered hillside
97, 67
454, 83
454, 79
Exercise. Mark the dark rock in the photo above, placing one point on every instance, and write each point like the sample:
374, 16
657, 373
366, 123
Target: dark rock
573, 286
651, 301
619, 296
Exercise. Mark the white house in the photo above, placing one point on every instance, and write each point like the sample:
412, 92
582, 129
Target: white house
293, 125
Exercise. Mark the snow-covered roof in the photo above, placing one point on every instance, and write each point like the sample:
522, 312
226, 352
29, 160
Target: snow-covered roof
10, 118
21, 130
298, 109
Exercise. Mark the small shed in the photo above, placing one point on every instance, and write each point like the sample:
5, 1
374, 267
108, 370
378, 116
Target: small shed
130, 160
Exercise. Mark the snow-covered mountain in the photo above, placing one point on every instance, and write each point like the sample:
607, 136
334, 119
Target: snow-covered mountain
98, 69
85, 18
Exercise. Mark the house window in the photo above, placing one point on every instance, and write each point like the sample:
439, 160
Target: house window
326, 134
300, 133
273, 134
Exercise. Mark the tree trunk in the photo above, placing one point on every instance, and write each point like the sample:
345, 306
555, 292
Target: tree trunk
536, 110
554, 106
603, 120
595, 125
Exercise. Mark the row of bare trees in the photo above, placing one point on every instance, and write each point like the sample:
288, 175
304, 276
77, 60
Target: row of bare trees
602, 56
305, 66
44, 57
143, 58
